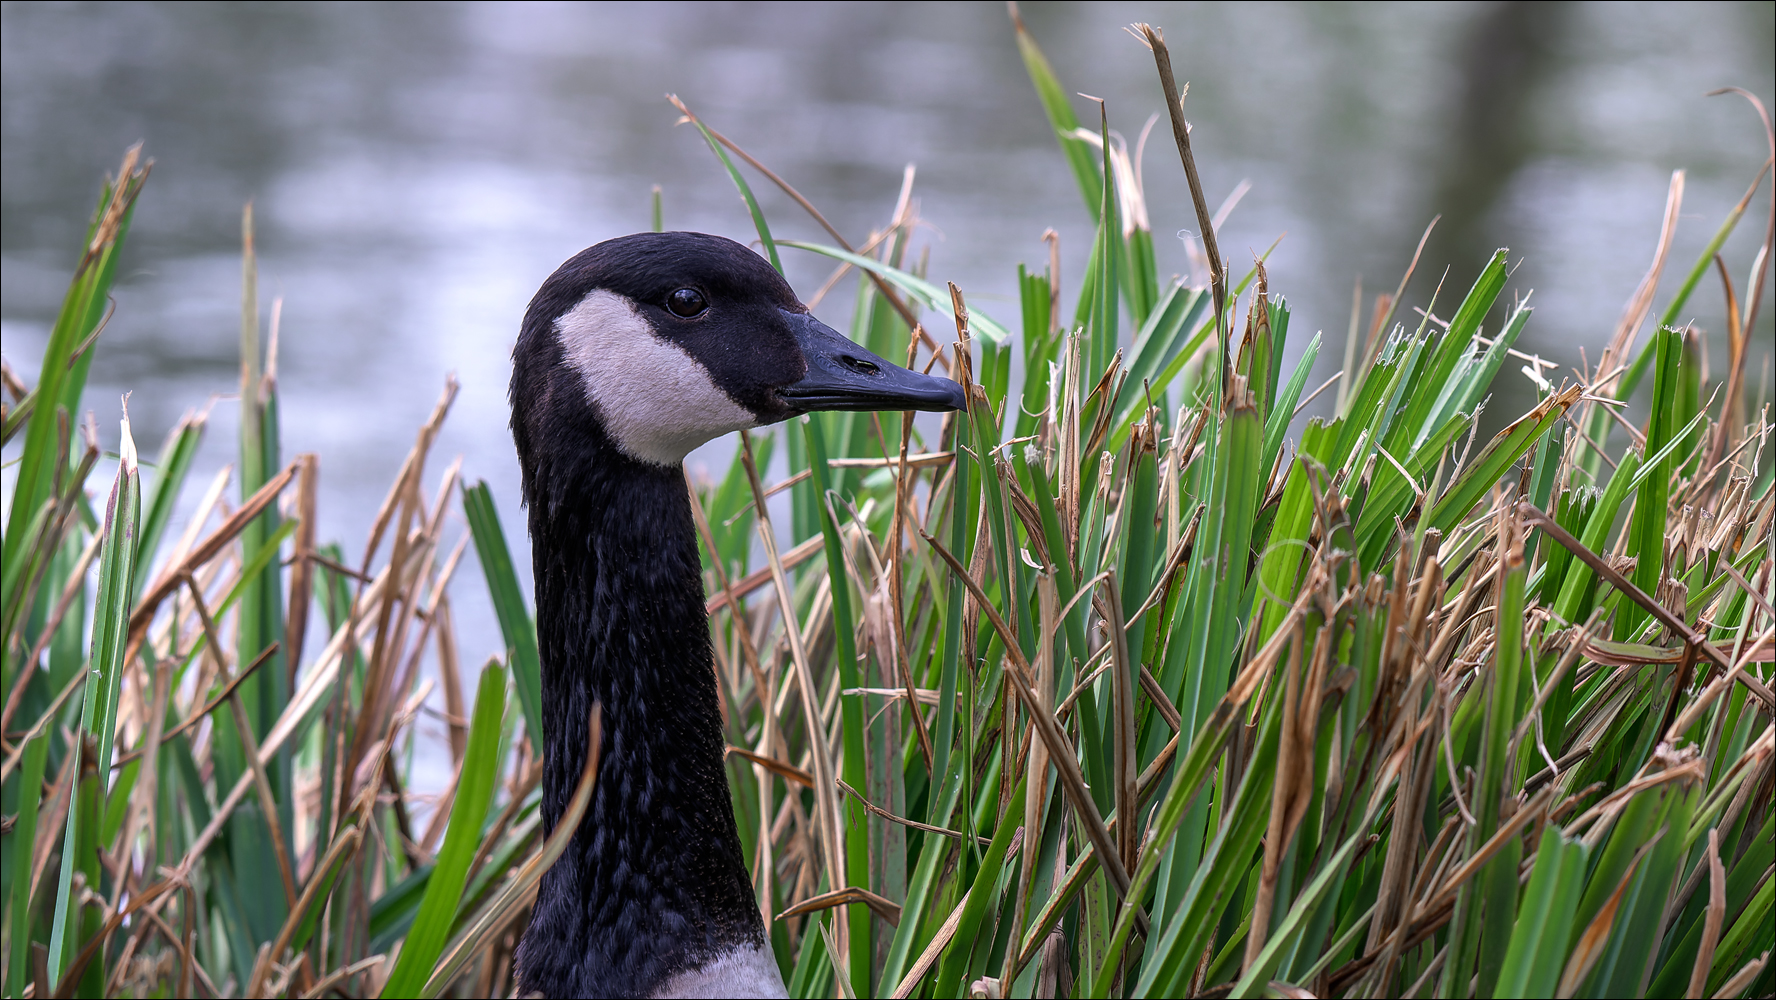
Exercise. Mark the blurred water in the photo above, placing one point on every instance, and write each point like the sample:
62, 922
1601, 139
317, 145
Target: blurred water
418, 169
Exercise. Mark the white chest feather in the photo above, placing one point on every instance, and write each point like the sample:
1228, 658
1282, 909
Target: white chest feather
746, 971
656, 400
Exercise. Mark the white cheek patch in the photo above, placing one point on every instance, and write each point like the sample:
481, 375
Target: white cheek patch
656, 400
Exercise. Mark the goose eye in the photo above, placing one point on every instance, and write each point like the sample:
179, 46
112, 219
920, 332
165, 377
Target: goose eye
686, 302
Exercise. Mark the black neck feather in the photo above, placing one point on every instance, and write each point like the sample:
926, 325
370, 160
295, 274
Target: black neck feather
654, 882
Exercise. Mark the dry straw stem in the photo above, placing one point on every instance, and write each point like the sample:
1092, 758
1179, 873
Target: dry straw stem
244, 732
885, 908
1047, 729
946, 932
132, 173
212, 546
1154, 39
1602, 567
1715, 915
1590, 945
787, 771
761, 578
520, 890
75, 588
829, 822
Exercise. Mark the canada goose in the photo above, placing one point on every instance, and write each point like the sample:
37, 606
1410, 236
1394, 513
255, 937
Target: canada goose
634, 352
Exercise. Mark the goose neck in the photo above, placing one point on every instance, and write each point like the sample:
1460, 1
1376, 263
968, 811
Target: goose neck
653, 885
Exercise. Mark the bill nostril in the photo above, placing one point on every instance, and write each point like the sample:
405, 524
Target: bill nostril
860, 365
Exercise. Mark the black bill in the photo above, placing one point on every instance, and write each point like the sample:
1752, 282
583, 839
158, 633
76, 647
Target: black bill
844, 376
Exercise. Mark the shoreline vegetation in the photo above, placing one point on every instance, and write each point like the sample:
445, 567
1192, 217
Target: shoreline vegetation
1124, 682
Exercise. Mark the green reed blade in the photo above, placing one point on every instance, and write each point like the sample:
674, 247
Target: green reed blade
1287, 546
1376, 384
62, 377
98, 712
1105, 301
520, 838
1223, 598
1484, 906
1392, 497
981, 895
1170, 961
916, 930
170, 474
1646, 526
1288, 931
1282, 409
393, 913
1537, 951
1041, 347
474, 792
1140, 275
1746, 939
927, 294
1454, 344
857, 860
1474, 381
1640, 925
1502, 452
1080, 154
1390, 423
1576, 592
964, 514
261, 619
1211, 617
110, 622
1267, 353
752, 205
1178, 312
24, 843
516, 625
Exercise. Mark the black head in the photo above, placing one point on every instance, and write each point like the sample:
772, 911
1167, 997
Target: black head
669, 340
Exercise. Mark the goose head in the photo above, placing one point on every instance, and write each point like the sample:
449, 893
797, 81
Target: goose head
633, 353
668, 340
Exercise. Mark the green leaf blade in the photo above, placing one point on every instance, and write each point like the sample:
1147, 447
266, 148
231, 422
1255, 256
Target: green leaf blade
474, 793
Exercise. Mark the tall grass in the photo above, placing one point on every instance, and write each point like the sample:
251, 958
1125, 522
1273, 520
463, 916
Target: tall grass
1108, 686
